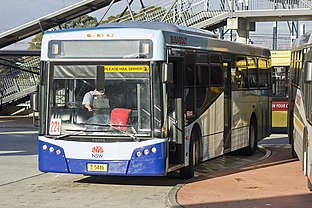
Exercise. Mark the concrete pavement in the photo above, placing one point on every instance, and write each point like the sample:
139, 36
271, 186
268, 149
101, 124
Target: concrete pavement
275, 180
18, 122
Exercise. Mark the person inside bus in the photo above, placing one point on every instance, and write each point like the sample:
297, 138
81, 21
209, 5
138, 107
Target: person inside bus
88, 99
97, 106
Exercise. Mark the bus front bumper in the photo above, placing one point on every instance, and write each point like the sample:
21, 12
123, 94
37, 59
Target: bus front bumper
143, 162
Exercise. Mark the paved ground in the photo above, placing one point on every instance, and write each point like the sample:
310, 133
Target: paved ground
18, 122
277, 181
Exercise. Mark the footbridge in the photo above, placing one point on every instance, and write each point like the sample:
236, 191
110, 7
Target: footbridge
237, 15
19, 70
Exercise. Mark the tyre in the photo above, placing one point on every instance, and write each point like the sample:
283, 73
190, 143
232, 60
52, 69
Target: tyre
250, 149
290, 131
309, 184
188, 171
194, 154
293, 152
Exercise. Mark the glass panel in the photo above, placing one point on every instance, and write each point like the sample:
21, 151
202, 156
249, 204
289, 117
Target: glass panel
263, 73
202, 86
157, 95
241, 77
125, 101
252, 72
189, 92
100, 49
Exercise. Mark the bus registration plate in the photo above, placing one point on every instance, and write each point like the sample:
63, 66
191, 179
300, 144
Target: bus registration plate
97, 167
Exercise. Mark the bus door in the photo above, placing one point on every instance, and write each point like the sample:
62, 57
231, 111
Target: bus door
227, 106
175, 113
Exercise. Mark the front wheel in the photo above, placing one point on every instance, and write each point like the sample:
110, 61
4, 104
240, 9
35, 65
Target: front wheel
251, 148
194, 154
309, 184
188, 171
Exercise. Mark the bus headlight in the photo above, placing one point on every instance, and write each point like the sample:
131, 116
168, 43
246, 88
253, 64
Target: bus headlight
51, 149
58, 152
44, 147
139, 154
154, 150
146, 151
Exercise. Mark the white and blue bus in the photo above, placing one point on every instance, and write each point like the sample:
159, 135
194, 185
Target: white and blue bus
170, 97
300, 103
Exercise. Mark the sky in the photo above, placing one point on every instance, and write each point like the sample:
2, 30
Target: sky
14, 13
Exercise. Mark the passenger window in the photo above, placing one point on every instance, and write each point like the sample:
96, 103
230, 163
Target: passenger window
216, 75
252, 72
241, 76
202, 87
263, 73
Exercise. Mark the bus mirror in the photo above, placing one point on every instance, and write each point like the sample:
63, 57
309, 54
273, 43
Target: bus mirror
34, 102
308, 71
167, 73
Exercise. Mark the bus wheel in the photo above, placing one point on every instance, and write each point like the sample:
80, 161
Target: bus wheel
293, 152
290, 131
309, 184
250, 149
188, 171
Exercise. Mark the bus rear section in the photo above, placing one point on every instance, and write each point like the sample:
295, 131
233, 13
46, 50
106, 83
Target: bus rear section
280, 76
300, 104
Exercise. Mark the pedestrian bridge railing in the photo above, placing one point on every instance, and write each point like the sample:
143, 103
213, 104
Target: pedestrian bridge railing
192, 12
18, 79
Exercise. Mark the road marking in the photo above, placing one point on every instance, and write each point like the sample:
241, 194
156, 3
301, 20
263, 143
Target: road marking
9, 152
18, 132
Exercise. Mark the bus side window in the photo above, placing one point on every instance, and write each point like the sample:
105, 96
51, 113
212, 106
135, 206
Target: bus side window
263, 73
252, 72
241, 76
216, 75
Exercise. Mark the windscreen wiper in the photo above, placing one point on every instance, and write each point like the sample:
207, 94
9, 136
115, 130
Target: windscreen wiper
79, 131
67, 135
115, 127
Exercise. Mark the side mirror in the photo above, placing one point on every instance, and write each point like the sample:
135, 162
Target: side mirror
167, 72
34, 102
308, 72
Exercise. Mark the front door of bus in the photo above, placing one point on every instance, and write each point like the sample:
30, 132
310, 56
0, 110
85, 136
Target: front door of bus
175, 112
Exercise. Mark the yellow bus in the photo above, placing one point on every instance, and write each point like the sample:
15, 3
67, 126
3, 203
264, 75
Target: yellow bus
280, 69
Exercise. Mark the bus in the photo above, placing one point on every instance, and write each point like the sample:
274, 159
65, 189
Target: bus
300, 103
280, 74
170, 98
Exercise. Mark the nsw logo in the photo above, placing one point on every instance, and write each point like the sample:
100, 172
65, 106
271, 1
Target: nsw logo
97, 152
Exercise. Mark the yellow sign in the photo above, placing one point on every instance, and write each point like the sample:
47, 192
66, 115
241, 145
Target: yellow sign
97, 167
128, 68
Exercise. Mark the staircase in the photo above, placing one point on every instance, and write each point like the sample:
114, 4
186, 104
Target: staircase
211, 14
18, 79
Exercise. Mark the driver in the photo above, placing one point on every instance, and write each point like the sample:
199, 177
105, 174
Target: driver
88, 99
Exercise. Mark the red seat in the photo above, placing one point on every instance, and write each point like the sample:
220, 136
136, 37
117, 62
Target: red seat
120, 118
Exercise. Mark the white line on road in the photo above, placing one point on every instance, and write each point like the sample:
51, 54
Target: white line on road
18, 132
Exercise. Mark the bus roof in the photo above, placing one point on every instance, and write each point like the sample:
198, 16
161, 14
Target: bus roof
163, 26
174, 36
